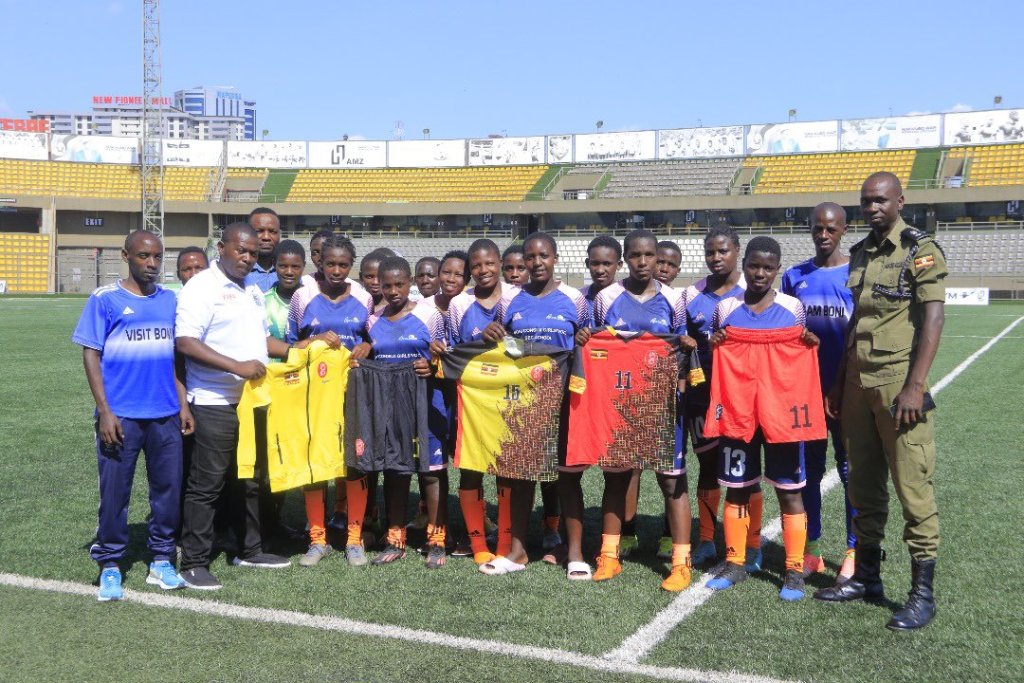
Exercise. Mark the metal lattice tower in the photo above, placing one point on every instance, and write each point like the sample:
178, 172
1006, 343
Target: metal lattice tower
152, 157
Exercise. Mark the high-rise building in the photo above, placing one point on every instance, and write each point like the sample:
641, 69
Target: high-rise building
215, 102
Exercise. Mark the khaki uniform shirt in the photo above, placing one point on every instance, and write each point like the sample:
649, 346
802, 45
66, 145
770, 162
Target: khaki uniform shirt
891, 281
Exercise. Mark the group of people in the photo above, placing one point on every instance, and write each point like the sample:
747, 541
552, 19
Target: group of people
167, 374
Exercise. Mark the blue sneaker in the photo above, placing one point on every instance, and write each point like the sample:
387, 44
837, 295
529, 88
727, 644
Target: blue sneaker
793, 588
728, 576
705, 553
162, 573
753, 560
110, 585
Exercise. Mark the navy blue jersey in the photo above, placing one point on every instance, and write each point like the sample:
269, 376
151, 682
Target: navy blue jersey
551, 319
785, 311
700, 303
346, 318
407, 338
467, 317
663, 313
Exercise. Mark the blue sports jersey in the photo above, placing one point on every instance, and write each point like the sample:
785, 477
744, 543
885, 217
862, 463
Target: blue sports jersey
467, 317
785, 311
261, 277
407, 338
552, 319
135, 337
346, 318
663, 313
700, 303
828, 304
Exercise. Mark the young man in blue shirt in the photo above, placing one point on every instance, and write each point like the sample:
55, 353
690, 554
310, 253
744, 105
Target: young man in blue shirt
126, 332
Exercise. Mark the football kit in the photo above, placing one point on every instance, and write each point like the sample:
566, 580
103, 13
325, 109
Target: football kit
467, 317
551, 319
277, 314
310, 316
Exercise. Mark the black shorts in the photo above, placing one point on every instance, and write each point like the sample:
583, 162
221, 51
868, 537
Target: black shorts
386, 409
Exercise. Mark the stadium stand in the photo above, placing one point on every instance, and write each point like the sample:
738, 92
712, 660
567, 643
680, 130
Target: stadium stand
105, 181
991, 165
504, 183
836, 172
25, 262
972, 253
412, 248
664, 179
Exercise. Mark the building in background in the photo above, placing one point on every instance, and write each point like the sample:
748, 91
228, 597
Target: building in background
216, 105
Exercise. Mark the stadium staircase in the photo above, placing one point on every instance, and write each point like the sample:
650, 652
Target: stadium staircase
277, 185
925, 171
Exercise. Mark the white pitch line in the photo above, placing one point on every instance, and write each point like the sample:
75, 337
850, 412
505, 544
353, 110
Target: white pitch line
342, 625
647, 637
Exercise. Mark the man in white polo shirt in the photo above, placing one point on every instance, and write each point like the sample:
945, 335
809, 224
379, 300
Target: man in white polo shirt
221, 330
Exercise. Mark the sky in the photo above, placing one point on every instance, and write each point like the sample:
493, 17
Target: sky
326, 68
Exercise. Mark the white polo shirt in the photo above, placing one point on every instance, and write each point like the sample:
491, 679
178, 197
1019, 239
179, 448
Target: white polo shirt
230, 320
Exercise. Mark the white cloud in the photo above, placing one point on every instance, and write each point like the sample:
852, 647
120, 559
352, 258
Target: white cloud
917, 113
960, 106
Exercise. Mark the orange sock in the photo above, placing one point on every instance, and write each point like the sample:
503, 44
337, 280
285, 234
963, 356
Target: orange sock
680, 554
357, 494
610, 545
737, 525
396, 536
472, 503
794, 538
504, 521
756, 507
340, 496
315, 515
707, 512
436, 535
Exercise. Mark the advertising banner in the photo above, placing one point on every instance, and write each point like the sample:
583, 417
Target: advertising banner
967, 296
897, 132
696, 143
795, 137
633, 146
559, 149
267, 154
94, 149
348, 154
506, 151
193, 152
984, 127
26, 125
426, 153
23, 146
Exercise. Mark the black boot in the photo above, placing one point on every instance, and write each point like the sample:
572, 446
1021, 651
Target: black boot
920, 607
866, 582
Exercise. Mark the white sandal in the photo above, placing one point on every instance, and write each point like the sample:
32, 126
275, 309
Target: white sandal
500, 566
578, 571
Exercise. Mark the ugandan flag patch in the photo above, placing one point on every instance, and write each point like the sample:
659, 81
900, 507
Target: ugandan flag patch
489, 369
577, 385
924, 262
598, 354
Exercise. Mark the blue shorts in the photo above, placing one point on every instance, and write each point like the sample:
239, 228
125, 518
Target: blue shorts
679, 461
440, 427
739, 463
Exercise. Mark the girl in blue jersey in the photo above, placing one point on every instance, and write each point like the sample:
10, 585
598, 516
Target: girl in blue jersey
401, 332
469, 313
721, 254
642, 304
336, 312
548, 312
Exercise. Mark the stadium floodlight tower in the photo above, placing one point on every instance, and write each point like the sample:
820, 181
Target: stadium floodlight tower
152, 157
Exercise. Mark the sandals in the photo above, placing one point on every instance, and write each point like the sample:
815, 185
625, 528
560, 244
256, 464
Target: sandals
500, 566
578, 571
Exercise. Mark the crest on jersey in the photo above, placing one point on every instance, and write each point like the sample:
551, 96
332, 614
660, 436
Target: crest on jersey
322, 369
489, 369
718, 411
598, 354
651, 359
291, 378
536, 373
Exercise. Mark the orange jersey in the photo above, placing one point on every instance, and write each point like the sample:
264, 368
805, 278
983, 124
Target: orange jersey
767, 379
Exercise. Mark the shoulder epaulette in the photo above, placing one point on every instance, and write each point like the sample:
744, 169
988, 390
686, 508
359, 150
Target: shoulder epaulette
917, 236
858, 245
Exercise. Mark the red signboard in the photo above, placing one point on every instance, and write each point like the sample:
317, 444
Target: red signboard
26, 125
105, 100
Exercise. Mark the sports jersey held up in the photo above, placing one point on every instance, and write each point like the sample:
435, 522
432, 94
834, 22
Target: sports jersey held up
510, 404
622, 405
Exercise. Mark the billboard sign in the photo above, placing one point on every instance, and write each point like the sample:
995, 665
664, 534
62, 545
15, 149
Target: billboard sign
696, 143
15, 145
560, 149
984, 127
632, 146
426, 153
267, 154
193, 152
348, 154
895, 132
94, 149
795, 137
506, 151
127, 101
26, 125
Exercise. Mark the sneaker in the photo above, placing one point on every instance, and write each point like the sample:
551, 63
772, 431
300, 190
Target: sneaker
704, 553
163, 574
728, 576
316, 552
552, 539
793, 587
338, 522
813, 564
752, 560
201, 579
436, 557
462, 548
356, 555
391, 553
607, 568
678, 580
110, 585
846, 569
262, 560
665, 548
627, 546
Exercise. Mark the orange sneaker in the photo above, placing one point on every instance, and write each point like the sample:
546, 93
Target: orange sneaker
813, 564
846, 569
607, 568
678, 580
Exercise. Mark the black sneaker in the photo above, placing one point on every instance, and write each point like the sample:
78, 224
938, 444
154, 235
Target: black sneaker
262, 560
391, 553
200, 579
793, 587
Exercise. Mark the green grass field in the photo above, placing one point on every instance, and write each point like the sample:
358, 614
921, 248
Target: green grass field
48, 515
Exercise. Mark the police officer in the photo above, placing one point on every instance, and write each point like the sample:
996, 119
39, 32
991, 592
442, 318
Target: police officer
896, 275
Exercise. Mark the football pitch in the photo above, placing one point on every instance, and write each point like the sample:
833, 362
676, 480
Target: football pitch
404, 622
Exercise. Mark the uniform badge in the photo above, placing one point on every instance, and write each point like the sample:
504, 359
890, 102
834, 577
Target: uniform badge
718, 411
651, 359
923, 262
489, 369
598, 354
321, 369
536, 373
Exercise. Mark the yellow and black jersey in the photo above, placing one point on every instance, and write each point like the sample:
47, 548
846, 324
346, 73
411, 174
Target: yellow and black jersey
510, 399
296, 414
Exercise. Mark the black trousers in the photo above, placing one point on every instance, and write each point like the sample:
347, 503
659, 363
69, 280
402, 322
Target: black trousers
214, 465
